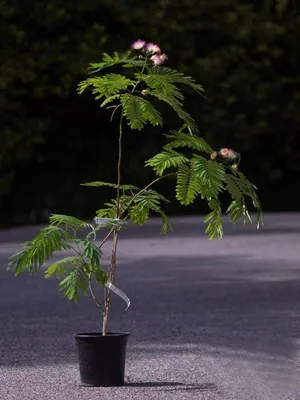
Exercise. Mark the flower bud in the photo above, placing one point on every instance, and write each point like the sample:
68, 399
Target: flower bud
213, 155
232, 154
163, 57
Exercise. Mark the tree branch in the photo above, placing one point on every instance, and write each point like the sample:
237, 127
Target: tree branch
106, 237
144, 189
94, 296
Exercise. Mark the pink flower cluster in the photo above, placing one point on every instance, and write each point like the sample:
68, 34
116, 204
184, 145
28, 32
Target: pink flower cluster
157, 58
225, 153
228, 153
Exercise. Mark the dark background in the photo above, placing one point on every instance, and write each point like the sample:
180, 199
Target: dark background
246, 54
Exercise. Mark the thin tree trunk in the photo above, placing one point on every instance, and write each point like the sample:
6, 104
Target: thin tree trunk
111, 277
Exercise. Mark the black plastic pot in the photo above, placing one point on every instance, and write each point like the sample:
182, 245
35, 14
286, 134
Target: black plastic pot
102, 358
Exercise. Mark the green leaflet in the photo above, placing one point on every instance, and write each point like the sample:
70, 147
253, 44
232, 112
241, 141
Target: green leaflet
99, 274
149, 200
166, 224
69, 221
233, 188
210, 174
187, 186
110, 99
62, 267
138, 208
108, 184
77, 280
139, 213
166, 159
181, 139
103, 222
105, 86
161, 84
177, 107
126, 59
214, 220
238, 210
40, 249
79, 269
240, 183
92, 252
110, 211
139, 111
164, 78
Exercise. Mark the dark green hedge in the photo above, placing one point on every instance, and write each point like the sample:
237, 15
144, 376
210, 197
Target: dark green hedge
245, 53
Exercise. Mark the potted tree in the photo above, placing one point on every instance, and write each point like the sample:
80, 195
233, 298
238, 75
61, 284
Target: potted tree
133, 95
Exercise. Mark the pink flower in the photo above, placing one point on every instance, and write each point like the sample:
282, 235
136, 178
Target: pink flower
232, 154
228, 153
156, 60
138, 44
153, 48
224, 152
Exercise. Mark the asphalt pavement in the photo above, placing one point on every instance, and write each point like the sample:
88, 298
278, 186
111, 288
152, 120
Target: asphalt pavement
208, 320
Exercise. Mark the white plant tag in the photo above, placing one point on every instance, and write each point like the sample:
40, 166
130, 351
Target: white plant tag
119, 293
100, 221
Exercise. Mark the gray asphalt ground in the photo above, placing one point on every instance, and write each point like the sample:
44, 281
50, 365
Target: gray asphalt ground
209, 320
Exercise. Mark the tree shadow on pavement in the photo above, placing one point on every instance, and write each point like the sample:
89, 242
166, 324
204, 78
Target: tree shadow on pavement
153, 384
174, 386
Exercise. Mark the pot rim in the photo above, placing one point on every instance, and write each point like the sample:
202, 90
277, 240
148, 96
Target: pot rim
99, 334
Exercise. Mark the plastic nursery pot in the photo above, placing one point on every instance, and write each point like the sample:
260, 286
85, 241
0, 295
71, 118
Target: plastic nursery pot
102, 358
